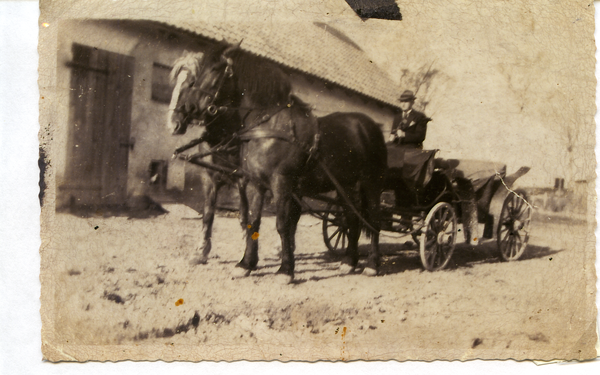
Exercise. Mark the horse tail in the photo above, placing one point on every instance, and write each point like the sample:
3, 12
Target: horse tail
364, 211
372, 187
370, 214
379, 158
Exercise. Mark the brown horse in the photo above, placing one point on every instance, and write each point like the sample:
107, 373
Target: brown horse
185, 69
279, 138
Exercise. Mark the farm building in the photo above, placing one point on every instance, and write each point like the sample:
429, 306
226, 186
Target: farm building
114, 90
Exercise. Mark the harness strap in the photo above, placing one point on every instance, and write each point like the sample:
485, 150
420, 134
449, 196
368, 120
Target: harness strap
253, 132
266, 133
262, 120
189, 145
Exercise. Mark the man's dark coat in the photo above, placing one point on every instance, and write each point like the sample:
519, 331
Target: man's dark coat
414, 127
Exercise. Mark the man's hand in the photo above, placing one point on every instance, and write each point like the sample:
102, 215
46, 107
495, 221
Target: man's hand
400, 134
392, 137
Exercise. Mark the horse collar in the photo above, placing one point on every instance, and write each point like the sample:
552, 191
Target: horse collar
252, 131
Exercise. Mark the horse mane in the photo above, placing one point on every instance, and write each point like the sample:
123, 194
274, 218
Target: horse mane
262, 81
191, 61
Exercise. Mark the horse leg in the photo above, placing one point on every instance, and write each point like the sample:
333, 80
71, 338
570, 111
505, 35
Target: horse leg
288, 214
210, 189
350, 260
372, 195
255, 196
242, 183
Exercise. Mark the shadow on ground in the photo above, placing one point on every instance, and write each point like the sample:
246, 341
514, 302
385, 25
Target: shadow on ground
396, 258
139, 207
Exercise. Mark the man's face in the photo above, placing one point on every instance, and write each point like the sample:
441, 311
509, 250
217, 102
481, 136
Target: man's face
405, 106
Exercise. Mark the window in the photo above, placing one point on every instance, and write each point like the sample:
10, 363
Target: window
161, 85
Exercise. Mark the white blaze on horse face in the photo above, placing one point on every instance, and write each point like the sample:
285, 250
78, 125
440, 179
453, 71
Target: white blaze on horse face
175, 98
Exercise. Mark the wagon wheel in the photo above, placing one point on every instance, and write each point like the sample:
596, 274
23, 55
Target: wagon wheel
513, 226
335, 229
439, 237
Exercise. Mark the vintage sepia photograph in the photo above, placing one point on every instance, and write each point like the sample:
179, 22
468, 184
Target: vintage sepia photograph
306, 180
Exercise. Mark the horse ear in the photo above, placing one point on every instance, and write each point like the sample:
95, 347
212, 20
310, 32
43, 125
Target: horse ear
232, 48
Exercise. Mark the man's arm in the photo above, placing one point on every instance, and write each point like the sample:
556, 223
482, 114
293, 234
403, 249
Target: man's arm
395, 127
416, 134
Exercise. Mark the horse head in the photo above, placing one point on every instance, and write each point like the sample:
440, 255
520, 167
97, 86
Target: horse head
182, 108
202, 87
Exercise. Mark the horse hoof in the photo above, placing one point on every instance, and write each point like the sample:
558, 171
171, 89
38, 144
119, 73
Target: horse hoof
346, 268
283, 279
198, 260
368, 271
239, 272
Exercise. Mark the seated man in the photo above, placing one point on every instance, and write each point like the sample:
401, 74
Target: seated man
409, 127
405, 158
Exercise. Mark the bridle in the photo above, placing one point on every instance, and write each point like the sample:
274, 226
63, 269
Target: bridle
212, 109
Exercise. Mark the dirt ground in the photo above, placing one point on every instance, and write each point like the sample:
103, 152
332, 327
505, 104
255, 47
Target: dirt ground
120, 281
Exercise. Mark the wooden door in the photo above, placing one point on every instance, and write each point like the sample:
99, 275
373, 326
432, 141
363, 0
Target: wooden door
100, 121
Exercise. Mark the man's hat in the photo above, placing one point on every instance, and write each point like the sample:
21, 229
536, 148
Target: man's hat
407, 96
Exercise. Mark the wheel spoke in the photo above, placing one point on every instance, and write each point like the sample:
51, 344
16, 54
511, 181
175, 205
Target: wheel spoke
518, 206
504, 220
507, 248
510, 205
430, 243
446, 252
521, 202
522, 212
518, 242
444, 217
432, 254
334, 233
503, 228
506, 236
447, 225
442, 253
337, 240
513, 246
